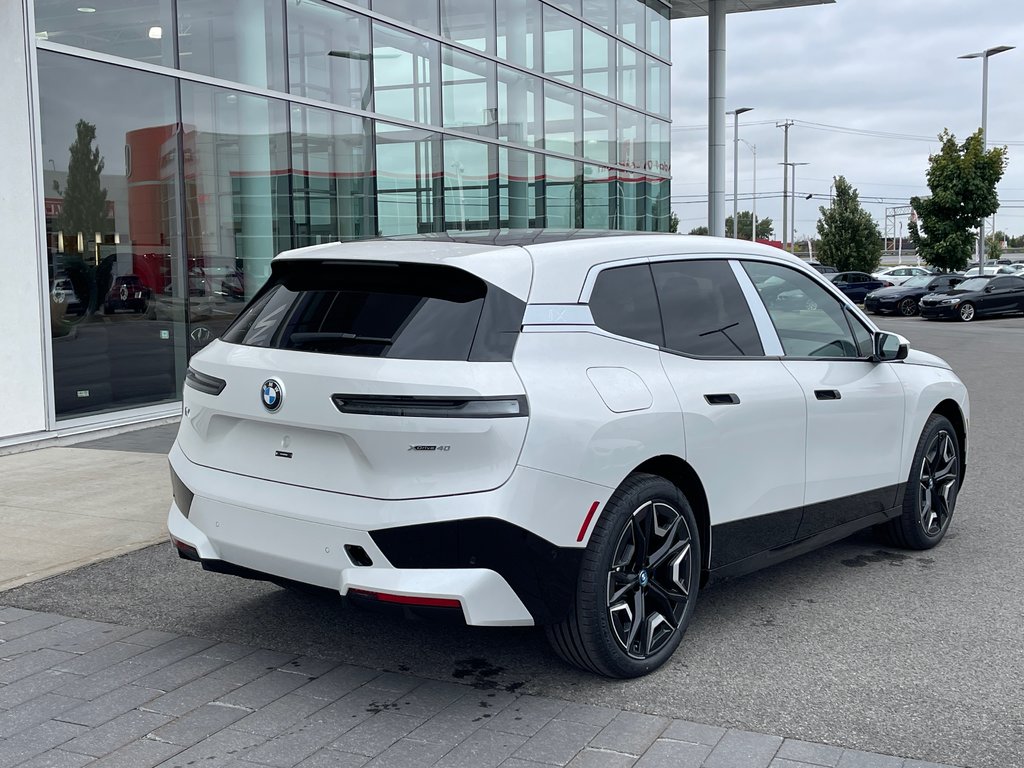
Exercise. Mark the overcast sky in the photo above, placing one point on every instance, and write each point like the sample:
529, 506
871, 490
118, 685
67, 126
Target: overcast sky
886, 66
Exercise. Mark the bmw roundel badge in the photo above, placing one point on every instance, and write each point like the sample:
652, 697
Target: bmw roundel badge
272, 394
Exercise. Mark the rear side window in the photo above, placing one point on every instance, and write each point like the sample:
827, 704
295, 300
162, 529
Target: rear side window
704, 311
624, 302
405, 311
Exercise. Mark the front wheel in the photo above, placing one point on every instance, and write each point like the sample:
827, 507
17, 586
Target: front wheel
638, 582
966, 312
932, 488
908, 307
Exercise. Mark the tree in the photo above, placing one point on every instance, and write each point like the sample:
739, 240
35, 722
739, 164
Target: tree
962, 179
850, 240
673, 222
764, 226
701, 230
84, 211
994, 246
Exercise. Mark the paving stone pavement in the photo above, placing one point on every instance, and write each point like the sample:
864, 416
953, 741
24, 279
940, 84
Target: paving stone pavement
75, 692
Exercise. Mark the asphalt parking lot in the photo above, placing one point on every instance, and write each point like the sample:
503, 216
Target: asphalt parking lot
856, 645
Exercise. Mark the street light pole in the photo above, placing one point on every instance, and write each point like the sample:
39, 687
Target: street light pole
736, 165
792, 223
984, 56
753, 204
792, 217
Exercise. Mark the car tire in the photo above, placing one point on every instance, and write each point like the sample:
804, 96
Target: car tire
908, 307
966, 312
620, 577
932, 488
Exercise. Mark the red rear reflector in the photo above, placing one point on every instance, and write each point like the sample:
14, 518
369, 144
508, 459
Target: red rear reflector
429, 602
586, 521
185, 550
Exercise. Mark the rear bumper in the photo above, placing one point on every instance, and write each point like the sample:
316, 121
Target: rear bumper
509, 556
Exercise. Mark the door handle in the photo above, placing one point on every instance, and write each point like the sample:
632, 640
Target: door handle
722, 399
828, 394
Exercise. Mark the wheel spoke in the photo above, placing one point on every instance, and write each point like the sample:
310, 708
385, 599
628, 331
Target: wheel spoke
639, 619
666, 549
625, 583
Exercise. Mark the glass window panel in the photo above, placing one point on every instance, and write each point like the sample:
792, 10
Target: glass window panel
598, 130
562, 124
328, 54
519, 107
140, 30
632, 21
561, 182
598, 62
116, 276
468, 191
658, 147
517, 181
631, 132
409, 192
519, 32
624, 302
469, 97
418, 13
631, 76
239, 40
470, 22
599, 199
632, 189
405, 75
600, 12
658, 31
572, 6
237, 198
332, 176
561, 46
661, 196
659, 87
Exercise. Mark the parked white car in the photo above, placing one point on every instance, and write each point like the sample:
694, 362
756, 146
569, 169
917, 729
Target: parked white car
900, 275
993, 269
570, 430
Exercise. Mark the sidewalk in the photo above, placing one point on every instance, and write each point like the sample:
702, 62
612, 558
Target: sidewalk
77, 692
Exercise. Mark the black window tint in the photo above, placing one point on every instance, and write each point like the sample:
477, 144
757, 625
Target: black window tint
623, 302
406, 311
864, 338
703, 309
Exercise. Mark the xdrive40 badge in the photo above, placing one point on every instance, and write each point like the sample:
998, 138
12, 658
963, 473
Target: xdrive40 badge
272, 395
430, 447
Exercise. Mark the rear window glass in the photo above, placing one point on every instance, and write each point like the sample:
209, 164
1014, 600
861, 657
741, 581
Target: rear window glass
406, 311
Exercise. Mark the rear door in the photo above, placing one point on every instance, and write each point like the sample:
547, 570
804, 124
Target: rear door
743, 413
389, 380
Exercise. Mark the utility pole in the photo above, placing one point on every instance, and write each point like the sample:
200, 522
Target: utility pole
785, 178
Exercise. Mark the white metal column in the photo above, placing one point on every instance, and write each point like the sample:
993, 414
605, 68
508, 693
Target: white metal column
716, 117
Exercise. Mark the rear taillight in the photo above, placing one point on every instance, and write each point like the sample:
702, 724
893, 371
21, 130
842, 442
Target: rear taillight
203, 382
433, 407
426, 602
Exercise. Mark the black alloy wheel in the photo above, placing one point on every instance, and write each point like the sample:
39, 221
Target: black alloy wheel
966, 312
932, 488
638, 582
908, 307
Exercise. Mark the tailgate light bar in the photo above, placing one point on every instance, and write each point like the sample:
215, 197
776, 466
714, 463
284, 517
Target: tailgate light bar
203, 382
502, 407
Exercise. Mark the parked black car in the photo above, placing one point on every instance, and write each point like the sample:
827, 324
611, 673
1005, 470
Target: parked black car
856, 285
903, 299
977, 296
127, 292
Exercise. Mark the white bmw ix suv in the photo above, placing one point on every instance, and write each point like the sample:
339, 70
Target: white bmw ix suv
575, 430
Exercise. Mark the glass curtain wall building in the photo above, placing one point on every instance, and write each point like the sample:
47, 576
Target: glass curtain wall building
186, 142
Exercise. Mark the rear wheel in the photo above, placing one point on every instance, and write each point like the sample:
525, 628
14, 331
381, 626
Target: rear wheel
638, 582
908, 307
966, 312
932, 489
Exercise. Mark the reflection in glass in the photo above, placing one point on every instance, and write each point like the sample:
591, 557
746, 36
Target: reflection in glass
631, 76
328, 54
405, 75
332, 176
468, 92
237, 199
409, 192
561, 46
142, 30
517, 180
632, 22
469, 192
238, 40
562, 126
632, 191
658, 30
519, 107
598, 130
598, 62
659, 87
658, 147
519, 32
418, 13
601, 13
572, 6
469, 22
113, 259
661, 204
631, 139
562, 190
598, 197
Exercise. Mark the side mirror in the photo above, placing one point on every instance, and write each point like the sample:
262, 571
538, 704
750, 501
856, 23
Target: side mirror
988, 289
890, 347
